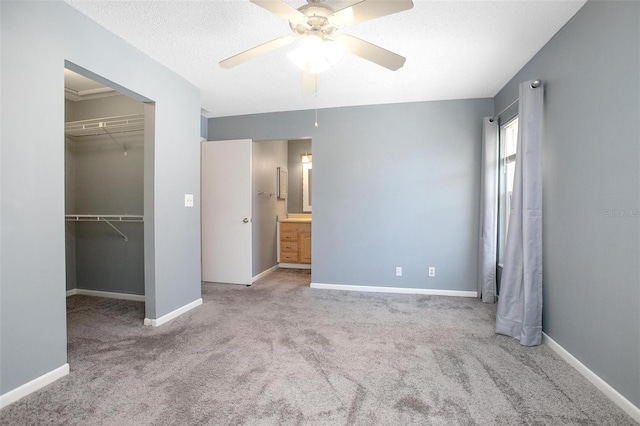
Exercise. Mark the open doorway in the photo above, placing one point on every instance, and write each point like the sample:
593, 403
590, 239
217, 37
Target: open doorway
282, 218
271, 173
107, 135
281, 207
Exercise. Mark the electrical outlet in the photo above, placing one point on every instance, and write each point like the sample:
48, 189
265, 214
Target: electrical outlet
432, 271
188, 200
398, 271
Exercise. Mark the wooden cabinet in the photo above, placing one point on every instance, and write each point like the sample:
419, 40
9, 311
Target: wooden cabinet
305, 246
295, 242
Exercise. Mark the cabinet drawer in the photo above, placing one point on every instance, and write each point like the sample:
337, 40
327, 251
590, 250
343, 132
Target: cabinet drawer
286, 246
289, 236
295, 227
289, 257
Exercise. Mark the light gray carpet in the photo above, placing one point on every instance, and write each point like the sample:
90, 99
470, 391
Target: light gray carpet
282, 353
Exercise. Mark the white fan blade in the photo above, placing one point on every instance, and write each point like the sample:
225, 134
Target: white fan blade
367, 10
371, 52
282, 9
309, 82
256, 51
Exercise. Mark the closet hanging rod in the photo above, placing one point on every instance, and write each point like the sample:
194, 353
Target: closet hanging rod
99, 217
534, 84
113, 120
104, 134
106, 219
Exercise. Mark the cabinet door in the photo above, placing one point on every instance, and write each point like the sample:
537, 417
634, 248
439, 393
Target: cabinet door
305, 247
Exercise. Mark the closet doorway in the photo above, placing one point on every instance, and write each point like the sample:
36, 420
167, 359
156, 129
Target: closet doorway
105, 140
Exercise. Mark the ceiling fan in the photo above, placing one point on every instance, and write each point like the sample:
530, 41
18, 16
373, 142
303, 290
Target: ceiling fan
319, 25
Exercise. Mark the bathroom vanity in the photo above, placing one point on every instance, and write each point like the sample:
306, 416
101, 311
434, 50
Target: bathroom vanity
294, 242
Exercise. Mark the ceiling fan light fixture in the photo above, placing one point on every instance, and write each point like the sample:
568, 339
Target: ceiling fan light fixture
317, 54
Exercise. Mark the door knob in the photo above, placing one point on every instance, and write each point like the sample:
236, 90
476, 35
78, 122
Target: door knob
245, 220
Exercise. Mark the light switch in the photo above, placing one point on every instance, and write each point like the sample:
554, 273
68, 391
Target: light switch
188, 200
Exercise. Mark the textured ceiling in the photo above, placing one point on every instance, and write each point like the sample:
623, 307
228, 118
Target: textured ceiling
454, 50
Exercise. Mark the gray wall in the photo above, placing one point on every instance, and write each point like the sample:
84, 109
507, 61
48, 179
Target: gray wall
110, 106
267, 156
107, 181
394, 185
297, 147
69, 110
591, 69
105, 261
70, 227
204, 127
104, 181
37, 38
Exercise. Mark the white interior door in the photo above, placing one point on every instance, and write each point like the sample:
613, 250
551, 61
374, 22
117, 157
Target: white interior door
226, 211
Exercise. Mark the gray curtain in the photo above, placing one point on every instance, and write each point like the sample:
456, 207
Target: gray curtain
488, 212
519, 313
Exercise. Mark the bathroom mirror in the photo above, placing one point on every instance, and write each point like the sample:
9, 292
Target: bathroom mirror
297, 193
283, 184
306, 187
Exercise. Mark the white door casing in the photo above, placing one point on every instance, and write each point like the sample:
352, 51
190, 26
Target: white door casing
226, 211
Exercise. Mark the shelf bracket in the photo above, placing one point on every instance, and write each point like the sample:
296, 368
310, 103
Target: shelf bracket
104, 127
116, 229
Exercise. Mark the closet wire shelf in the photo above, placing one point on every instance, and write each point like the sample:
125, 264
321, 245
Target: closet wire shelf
106, 218
98, 126
106, 126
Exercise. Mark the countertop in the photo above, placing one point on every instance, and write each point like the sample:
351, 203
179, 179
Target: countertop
295, 219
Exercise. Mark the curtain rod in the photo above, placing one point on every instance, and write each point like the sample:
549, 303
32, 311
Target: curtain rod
534, 84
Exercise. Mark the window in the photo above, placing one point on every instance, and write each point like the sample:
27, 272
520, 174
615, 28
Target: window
508, 146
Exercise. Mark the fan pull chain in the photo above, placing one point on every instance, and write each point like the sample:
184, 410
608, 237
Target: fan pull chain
316, 123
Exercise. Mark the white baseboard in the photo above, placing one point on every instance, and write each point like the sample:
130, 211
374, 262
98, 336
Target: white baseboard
402, 290
294, 265
264, 273
603, 386
32, 386
107, 294
173, 314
